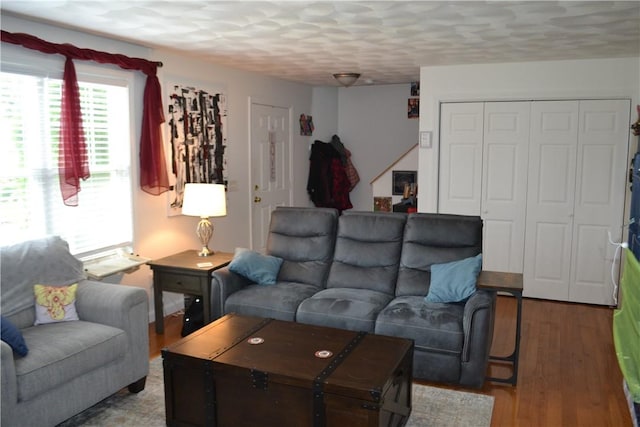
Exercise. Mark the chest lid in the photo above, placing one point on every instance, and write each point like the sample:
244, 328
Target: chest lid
209, 342
290, 353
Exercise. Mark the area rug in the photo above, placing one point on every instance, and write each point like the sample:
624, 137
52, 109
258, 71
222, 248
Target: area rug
432, 407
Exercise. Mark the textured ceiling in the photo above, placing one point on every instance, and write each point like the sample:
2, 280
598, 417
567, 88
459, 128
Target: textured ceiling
385, 41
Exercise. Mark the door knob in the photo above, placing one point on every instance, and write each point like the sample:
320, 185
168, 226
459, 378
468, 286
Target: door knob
257, 199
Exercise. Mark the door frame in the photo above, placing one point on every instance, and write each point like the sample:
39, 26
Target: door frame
258, 101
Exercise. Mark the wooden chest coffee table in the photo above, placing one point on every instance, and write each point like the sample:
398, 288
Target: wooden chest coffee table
247, 371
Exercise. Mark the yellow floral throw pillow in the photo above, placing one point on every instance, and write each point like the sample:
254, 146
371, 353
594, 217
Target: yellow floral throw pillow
55, 303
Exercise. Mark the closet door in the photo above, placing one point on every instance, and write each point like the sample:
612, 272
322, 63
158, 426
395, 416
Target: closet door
550, 199
504, 184
461, 133
483, 171
603, 138
577, 175
548, 178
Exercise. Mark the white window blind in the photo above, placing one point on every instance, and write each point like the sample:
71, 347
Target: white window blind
30, 200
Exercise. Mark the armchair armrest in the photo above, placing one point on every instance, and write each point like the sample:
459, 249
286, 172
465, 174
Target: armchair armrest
120, 306
477, 324
108, 304
8, 377
224, 282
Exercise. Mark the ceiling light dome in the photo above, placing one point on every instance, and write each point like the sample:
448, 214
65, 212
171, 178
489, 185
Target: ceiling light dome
346, 79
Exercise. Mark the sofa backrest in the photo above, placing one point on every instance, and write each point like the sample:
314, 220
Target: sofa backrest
367, 253
434, 239
304, 238
44, 261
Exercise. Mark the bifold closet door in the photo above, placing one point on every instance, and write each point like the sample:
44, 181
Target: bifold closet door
483, 171
603, 145
577, 178
461, 134
552, 181
504, 184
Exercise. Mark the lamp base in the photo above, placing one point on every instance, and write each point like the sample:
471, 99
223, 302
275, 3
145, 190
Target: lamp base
204, 231
205, 252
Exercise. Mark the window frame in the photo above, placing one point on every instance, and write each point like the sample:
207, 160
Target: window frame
15, 59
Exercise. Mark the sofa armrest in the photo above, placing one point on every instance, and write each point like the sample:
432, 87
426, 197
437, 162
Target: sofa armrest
8, 379
477, 323
224, 282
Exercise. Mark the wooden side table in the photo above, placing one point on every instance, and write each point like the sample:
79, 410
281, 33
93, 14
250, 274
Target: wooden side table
510, 283
180, 273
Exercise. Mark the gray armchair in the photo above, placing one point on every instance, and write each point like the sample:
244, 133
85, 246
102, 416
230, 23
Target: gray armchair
70, 365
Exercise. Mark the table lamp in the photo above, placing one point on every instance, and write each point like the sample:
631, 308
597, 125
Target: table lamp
204, 200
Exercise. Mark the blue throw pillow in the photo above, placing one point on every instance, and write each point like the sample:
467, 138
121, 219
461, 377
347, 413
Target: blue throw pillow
454, 281
259, 268
12, 336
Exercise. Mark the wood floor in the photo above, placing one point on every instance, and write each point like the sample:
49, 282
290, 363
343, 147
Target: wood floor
568, 376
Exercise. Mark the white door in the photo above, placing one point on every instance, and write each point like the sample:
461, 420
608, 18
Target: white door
270, 167
461, 133
504, 184
577, 175
552, 166
603, 138
483, 164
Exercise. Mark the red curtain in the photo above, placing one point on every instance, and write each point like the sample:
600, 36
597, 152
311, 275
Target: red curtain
73, 163
153, 170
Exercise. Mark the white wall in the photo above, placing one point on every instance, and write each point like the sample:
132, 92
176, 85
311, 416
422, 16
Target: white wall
155, 234
382, 185
373, 125
599, 78
324, 110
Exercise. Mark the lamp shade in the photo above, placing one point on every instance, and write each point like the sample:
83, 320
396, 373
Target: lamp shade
204, 200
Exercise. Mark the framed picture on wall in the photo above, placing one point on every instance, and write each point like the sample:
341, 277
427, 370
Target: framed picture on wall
400, 178
382, 204
413, 108
195, 138
415, 88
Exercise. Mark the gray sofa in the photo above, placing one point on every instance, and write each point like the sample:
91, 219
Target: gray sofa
371, 271
70, 365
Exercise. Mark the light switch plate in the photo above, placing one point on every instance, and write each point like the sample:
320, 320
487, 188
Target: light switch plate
425, 139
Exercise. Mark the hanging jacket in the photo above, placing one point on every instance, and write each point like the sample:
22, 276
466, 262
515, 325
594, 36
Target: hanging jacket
350, 170
328, 184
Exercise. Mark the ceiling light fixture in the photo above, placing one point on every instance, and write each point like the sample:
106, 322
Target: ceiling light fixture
346, 79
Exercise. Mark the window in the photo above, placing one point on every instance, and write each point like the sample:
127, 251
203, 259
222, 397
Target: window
30, 200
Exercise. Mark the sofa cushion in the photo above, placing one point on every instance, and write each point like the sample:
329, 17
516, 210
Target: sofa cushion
434, 326
55, 303
278, 301
344, 308
304, 238
259, 268
62, 351
454, 281
434, 239
12, 336
367, 253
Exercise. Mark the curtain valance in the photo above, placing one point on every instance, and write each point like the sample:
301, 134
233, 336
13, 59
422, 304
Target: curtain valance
73, 162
